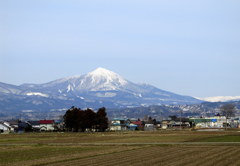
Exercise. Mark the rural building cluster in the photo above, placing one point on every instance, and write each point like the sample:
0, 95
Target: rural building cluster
124, 124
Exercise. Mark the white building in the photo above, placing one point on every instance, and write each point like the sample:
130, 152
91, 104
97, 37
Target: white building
5, 127
118, 124
46, 125
211, 122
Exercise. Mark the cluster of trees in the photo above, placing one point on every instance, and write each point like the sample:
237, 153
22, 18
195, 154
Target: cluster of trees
149, 120
76, 119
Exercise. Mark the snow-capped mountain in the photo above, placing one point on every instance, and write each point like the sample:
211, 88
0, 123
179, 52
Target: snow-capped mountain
101, 80
98, 88
220, 98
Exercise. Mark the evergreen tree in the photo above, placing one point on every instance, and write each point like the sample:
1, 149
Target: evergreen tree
69, 119
76, 119
89, 119
101, 119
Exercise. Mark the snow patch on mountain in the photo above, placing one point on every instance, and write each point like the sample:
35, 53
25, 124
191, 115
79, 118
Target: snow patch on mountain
70, 88
36, 94
107, 94
66, 79
27, 111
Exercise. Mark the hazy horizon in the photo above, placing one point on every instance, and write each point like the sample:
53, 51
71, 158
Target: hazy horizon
186, 47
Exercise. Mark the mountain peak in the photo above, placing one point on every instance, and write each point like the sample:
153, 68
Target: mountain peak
107, 75
102, 79
101, 69
102, 72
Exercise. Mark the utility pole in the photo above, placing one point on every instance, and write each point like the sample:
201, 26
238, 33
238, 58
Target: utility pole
181, 120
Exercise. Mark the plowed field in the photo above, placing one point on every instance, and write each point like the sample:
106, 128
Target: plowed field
168, 148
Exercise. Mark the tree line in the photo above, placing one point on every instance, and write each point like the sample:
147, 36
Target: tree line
77, 120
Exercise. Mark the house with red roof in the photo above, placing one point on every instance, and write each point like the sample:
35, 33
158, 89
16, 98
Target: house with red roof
46, 125
140, 124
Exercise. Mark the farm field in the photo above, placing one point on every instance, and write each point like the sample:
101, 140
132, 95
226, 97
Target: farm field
122, 148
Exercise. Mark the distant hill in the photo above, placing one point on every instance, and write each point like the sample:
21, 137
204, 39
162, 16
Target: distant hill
163, 111
220, 98
96, 89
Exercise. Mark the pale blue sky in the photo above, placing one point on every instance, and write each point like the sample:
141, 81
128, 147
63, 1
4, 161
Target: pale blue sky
183, 46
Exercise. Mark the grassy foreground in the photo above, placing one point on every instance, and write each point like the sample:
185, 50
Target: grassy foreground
122, 148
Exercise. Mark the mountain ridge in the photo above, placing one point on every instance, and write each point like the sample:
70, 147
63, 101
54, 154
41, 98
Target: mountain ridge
95, 89
219, 98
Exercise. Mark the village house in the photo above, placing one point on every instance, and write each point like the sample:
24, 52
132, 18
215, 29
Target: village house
149, 127
235, 123
119, 124
201, 122
176, 123
24, 127
35, 125
181, 122
132, 127
46, 125
13, 124
165, 124
59, 125
139, 124
211, 122
5, 127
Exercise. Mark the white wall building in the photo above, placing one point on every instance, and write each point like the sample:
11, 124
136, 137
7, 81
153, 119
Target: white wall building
211, 122
5, 127
46, 125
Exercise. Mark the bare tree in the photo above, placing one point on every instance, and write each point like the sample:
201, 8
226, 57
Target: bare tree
228, 111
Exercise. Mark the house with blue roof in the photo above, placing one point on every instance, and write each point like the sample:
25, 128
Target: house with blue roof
119, 124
